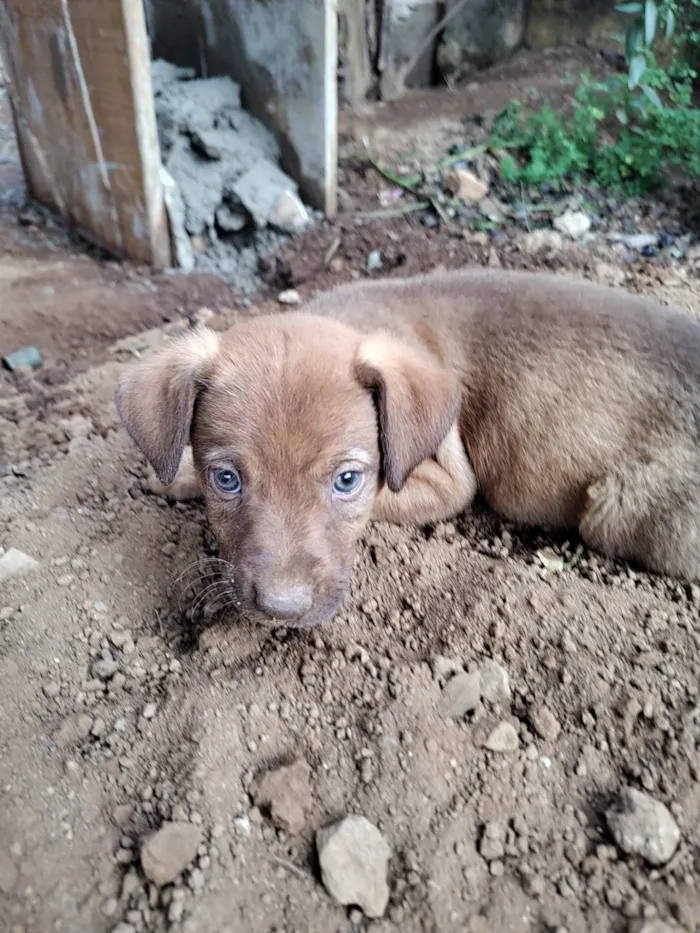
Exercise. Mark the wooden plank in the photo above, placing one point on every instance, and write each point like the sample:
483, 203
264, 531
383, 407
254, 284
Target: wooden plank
81, 94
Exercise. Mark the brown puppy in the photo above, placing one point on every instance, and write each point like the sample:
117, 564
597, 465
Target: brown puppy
567, 404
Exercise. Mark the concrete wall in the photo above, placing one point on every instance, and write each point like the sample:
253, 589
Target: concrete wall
283, 53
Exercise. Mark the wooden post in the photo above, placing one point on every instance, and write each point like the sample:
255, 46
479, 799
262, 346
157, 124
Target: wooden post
83, 106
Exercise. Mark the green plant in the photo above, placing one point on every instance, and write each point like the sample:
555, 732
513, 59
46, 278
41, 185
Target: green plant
625, 132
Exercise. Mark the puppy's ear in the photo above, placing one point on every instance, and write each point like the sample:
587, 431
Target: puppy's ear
417, 400
155, 399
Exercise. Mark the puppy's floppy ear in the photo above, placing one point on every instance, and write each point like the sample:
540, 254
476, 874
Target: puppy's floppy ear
417, 399
155, 399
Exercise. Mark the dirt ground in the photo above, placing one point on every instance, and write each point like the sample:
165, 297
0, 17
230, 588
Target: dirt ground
124, 705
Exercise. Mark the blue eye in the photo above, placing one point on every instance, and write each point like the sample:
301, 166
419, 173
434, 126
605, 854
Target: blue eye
347, 482
227, 481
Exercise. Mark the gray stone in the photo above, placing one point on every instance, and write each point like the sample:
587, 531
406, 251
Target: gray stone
169, 851
461, 695
493, 842
503, 739
289, 214
495, 682
643, 826
574, 224
260, 189
15, 563
481, 34
545, 723
354, 856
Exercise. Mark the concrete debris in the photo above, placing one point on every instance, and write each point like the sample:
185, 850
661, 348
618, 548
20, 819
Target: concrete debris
229, 204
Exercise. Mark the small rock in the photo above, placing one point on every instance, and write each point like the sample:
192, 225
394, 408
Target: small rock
229, 220
574, 224
168, 852
545, 723
643, 826
492, 209
51, 689
104, 668
289, 297
504, 738
14, 563
445, 667
289, 214
374, 260
461, 695
495, 682
286, 794
639, 241
466, 185
124, 928
354, 856
539, 241
149, 711
493, 842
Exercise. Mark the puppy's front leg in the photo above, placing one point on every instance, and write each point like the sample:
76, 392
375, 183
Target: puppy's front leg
185, 485
438, 488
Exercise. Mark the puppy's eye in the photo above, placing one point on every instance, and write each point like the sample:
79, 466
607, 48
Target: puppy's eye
227, 481
347, 482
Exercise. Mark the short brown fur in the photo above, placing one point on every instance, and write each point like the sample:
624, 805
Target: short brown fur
566, 404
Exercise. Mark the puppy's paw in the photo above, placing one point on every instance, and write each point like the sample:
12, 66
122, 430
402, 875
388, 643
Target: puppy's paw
185, 485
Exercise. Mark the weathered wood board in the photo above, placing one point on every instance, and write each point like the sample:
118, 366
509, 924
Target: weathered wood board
83, 107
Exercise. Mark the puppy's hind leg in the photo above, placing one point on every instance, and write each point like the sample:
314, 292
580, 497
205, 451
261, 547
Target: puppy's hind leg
438, 488
649, 513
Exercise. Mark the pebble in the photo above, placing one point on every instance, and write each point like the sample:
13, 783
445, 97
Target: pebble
286, 794
14, 563
52, 689
289, 297
495, 682
643, 826
289, 214
493, 841
149, 711
461, 695
538, 241
574, 224
167, 853
545, 723
124, 928
104, 668
466, 185
374, 260
659, 926
504, 738
354, 856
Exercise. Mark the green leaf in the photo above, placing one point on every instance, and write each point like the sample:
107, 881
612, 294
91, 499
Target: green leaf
622, 116
651, 95
638, 66
634, 40
670, 23
650, 16
629, 7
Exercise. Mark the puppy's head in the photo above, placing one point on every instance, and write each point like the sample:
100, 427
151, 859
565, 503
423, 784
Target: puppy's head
295, 422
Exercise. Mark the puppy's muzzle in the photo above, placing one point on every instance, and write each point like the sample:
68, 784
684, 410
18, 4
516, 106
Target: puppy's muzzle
286, 602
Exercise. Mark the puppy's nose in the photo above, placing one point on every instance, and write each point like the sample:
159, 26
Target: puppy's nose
284, 602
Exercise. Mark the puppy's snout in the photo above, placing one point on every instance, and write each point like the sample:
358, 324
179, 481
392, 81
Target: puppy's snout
284, 602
